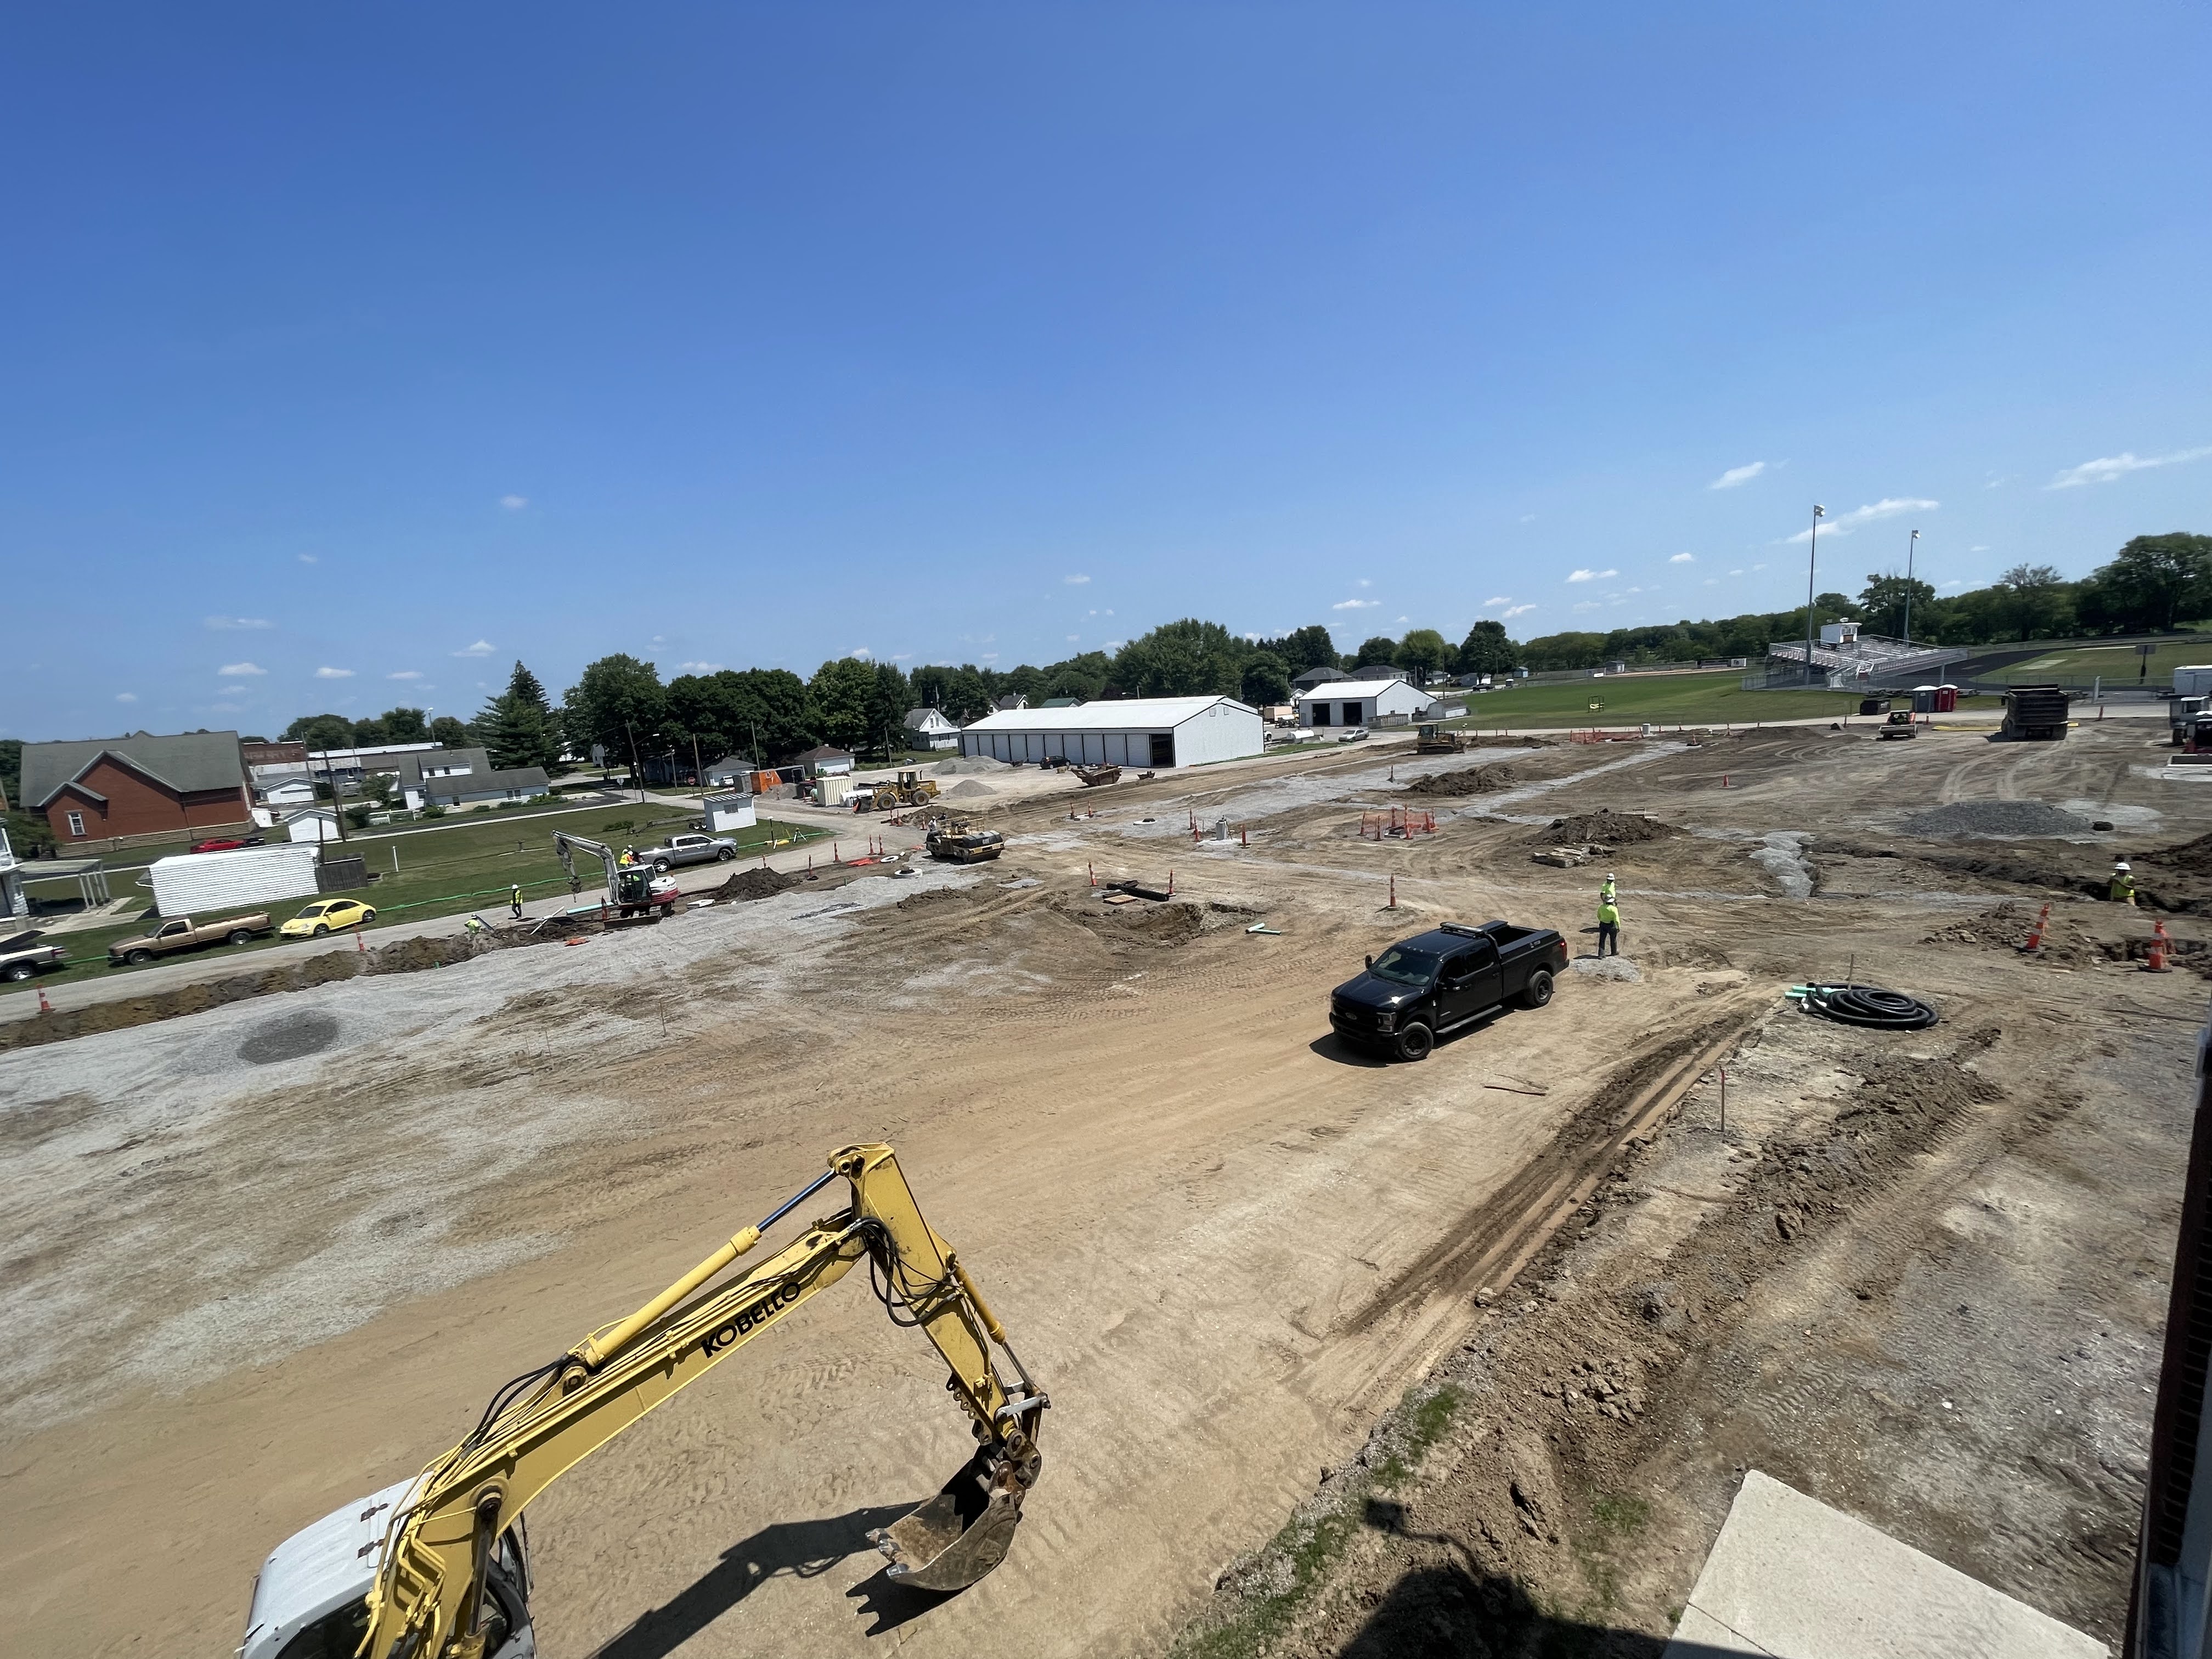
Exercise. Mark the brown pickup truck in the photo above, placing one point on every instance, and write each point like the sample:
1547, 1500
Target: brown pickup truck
183, 933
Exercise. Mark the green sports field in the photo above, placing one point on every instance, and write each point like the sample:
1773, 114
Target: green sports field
1712, 698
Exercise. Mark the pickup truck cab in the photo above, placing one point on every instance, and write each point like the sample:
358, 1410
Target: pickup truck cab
25, 954
690, 849
183, 933
1441, 982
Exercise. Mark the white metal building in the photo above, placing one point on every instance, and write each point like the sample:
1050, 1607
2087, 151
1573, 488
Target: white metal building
1154, 732
1360, 703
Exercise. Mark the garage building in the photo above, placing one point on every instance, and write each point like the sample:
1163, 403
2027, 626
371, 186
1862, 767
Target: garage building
1361, 702
1154, 732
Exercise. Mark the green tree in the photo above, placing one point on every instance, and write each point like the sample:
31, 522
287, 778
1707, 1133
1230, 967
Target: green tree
1084, 676
1266, 679
405, 726
1486, 650
1379, 652
2155, 581
1186, 659
617, 700
1421, 653
1302, 648
519, 727
450, 732
2039, 602
888, 701
11, 771
840, 702
321, 732
1882, 602
1549, 653
28, 833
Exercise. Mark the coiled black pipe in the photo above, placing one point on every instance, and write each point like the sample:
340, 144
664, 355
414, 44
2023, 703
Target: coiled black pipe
1868, 1004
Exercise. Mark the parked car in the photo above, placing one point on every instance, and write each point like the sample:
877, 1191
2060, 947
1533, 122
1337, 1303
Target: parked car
690, 849
325, 916
183, 933
1443, 981
225, 843
24, 955
1357, 734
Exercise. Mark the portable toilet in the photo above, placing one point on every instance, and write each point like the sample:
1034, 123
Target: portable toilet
1946, 699
1923, 699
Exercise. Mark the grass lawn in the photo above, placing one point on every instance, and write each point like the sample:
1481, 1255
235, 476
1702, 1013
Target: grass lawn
2117, 664
448, 872
1715, 698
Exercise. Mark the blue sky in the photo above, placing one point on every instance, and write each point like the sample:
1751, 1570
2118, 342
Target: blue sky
336, 349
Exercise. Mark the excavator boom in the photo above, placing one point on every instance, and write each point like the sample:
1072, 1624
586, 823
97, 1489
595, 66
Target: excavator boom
429, 1601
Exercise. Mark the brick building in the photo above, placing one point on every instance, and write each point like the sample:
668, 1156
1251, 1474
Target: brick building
114, 790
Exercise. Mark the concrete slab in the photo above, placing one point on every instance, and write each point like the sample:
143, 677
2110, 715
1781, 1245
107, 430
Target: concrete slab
1790, 1578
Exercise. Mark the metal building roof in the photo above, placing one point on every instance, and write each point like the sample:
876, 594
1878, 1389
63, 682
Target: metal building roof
1118, 714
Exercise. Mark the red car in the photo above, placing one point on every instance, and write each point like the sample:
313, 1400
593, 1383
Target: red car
226, 843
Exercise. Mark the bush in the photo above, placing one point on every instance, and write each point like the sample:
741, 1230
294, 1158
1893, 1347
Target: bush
432, 812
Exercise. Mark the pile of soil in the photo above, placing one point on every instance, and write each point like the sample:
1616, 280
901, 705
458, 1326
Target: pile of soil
971, 787
1469, 780
758, 883
1994, 817
2192, 857
2006, 928
1512, 743
1604, 830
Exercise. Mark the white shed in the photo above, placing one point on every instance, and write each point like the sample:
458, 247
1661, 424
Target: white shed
729, 813
1360, 703
1153, 732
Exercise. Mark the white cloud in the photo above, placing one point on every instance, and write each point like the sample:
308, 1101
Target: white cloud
1955, 582
1511, 611
1113, 645
226, 708
1405, 619
1072, 638
1590, 575
903, 656
702, 667
1736, 573
1590, 604
334, 673
1758, 566
126, 696
1350, 604
514, 503
309, 558
1739, 475
1503, 598
1076, 580
1364, 582
228, 690
1528, 518
1844, 523
1983, 548
225, 624
2113, 468
480, 648
862, 652
1691, 558
406, 674
231, 671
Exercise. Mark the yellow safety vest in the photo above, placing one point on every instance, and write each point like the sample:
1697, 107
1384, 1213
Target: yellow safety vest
1609, 914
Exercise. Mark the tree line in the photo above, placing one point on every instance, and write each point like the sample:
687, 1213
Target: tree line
622, 706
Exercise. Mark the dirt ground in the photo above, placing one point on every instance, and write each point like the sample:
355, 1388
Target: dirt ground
275, 1255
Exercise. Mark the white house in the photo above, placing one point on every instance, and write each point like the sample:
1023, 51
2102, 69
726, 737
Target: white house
282, 790
1154, 732
1361, 702
317, 823
928, 728
729, 813
731, 772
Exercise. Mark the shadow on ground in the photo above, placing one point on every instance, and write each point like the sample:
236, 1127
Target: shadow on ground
1450, 1613
799, 1549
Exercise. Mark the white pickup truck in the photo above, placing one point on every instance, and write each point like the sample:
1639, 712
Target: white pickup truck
690, 849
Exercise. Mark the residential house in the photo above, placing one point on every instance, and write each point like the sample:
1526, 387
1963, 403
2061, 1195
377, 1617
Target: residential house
286, 789
465, 777
138, 788
1012, 700
731, 772
1314, 677
928, 728
346, 768
824, 761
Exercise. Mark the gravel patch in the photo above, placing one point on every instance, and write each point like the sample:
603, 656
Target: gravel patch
1994, 817
1619, 967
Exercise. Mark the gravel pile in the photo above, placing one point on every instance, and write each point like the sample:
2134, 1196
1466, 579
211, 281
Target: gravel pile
971, 787
969, 764
1994, 817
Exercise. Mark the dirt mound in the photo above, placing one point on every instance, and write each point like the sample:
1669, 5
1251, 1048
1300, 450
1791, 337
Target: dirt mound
971, 787
1469, 780
969, 764
1994, 817
1148, 921
758, 884
2192, 857
1512, 743
1604, 830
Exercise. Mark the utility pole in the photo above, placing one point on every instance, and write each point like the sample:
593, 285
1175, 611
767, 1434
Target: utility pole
1811, 559
1911, 548
637, 771
698, 772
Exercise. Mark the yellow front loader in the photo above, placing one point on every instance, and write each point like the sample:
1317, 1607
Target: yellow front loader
450, 1577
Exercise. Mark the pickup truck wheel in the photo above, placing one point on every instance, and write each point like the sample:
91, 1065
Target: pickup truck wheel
724, 854
1415, 1042
1540, 989
239, 936
139, 958
660, 866
17, 973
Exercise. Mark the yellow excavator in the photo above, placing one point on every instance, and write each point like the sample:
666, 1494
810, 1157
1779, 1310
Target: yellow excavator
438, 1567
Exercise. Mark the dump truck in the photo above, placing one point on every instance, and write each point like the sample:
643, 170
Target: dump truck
2035, 714
439, 1566
1433, 739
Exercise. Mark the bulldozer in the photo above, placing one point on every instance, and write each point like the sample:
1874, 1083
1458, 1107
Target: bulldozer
1435, 740
957, 840
909, 789
438, 1567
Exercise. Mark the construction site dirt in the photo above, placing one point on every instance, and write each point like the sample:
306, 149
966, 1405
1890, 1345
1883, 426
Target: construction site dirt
1482, 1343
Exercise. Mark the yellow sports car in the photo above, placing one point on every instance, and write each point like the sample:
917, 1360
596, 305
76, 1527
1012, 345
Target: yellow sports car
324, 914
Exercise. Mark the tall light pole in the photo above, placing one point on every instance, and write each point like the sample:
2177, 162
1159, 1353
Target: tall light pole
1911, 548
1812, 560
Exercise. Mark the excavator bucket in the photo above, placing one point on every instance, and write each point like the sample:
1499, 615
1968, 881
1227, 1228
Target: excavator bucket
958, 1535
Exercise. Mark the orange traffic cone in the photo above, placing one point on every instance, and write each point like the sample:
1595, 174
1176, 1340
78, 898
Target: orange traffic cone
2035, 934
45, 1006
2159, 944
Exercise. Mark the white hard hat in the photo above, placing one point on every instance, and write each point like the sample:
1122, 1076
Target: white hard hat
2119, 864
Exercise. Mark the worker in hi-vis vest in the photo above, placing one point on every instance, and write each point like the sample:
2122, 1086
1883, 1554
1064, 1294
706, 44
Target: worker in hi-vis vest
2123, 882
1608, 927
515, 899
1606, 892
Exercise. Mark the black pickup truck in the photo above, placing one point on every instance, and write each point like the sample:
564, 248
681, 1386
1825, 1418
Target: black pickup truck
1435, 983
